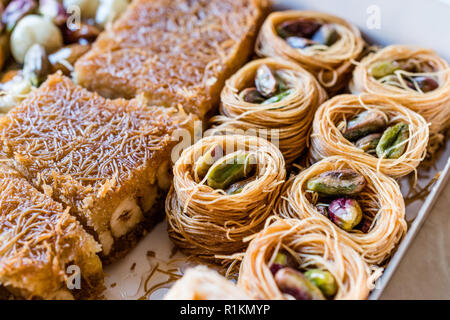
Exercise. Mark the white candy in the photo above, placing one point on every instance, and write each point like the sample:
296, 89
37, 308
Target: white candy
34, 29
13, 92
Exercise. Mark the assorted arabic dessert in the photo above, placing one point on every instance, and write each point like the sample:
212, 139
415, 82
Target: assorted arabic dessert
202, 283
371, 129
224, 189
173, 52
38, 38
303, 260
108, 160
39, 241
278, 96
323, 44
291, 192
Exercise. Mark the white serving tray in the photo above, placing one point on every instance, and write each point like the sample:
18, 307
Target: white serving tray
415, 22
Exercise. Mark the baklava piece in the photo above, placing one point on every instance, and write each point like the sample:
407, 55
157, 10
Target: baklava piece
42, 246
176, 52
108, 160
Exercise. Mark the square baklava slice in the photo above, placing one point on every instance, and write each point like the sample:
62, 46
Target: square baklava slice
176, 52
108, 160
42, 246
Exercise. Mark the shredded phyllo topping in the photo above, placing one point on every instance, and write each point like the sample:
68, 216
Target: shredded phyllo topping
37, 237
65, 133
173, 51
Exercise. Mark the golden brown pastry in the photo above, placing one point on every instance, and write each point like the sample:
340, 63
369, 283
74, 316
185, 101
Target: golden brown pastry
416, 78
283, 116
323, 44
372, 130
202, 283
304, 260
175, 52
224, 189
365, 208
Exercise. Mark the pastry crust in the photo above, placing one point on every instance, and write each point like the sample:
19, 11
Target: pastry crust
100, 157
202, 283
286, 123
39, 240
332, 65
175, 52
317, 246
434, 106
327, 140
380, 200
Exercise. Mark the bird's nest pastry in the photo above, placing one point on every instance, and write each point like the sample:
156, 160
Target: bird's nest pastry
304, 259
271, 98
372, 130
417, 78
323, 44
366, 208
224, 189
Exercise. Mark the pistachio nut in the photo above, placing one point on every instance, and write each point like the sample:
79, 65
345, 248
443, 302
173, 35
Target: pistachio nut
425, 84
345, 213
382, 69
205, 162
369, 121
324, 280
393, 141
227, 171
369, 143
301, 27
277, 98
295, 284
265, 81
282, 260
237, 187
337, 183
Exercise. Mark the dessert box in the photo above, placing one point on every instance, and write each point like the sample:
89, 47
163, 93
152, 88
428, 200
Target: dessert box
154, 264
